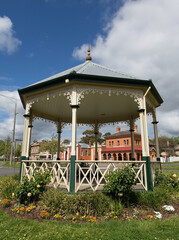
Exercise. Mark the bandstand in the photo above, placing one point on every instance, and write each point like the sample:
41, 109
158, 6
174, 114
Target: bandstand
90, 94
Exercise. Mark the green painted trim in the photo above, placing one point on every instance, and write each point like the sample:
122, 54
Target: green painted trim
20, 170
92, 79
72, 174
148, 172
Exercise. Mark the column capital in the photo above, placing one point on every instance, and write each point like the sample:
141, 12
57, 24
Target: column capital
74, 106
155, 122
26, 115
141, 110
30, 126
59, 131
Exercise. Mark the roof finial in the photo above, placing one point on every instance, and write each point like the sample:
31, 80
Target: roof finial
88, 58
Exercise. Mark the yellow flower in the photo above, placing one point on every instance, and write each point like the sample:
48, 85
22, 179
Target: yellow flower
120, 194
31, 176
29, 194
12, 194
38, 186
174, 175
77, 214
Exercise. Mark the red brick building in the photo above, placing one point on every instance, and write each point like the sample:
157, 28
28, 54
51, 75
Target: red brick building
118, 146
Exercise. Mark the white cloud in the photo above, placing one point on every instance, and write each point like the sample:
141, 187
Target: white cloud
143, 39
8, 43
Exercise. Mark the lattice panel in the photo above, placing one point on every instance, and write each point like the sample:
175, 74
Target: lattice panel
92, 176
59, 171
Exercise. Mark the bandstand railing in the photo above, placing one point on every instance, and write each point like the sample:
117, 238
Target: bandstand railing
90, 175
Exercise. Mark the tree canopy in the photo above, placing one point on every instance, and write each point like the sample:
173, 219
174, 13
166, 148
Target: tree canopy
88, 135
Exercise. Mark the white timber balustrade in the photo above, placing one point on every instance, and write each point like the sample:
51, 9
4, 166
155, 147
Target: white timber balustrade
89, 175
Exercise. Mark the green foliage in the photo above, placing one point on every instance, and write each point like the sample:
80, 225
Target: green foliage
170, 180
29, 191
18, 150
88, 135
8, 186
119, 183
50, 145
66, 141
154, 199
95, 203
2, 147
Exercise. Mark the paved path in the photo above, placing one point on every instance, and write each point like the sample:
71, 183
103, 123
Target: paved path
7, 171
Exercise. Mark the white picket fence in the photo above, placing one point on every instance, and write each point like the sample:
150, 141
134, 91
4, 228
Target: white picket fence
90, 175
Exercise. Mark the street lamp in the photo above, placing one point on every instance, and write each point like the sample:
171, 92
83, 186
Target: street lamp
14, 125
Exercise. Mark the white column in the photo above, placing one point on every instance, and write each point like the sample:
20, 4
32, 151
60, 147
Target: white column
74, 122
146, 128
25, 134
141, 113
74, 107
29, 137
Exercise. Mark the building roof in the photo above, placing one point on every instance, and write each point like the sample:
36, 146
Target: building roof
89, 68
121, 133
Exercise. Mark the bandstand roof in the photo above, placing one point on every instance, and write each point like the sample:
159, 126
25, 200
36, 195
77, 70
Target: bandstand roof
104, 95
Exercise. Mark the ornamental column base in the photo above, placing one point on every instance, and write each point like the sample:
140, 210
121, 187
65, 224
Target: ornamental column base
72, 174
148, 173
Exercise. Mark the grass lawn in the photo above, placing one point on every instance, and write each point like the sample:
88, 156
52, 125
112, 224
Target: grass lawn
171, 167
7, 164
15, 228
170, 162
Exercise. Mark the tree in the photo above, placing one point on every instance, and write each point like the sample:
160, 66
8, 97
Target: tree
51, 145
66, 142
167, 145
2, 147
88, 135
18, 150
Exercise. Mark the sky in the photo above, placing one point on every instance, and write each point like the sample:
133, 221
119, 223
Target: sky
39, 38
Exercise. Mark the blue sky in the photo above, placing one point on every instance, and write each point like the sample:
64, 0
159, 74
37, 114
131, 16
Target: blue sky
49, 31
39, 38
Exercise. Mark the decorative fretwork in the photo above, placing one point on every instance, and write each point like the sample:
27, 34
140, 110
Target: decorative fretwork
81, 92
90, 175
59, 171
136, 94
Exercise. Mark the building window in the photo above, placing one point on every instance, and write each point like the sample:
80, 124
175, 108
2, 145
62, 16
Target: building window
118, 143
119, 156
109, 156
112, 143
124, 142
109, 143
127, 142
81, 153
87, 153
125, 156
104, 156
